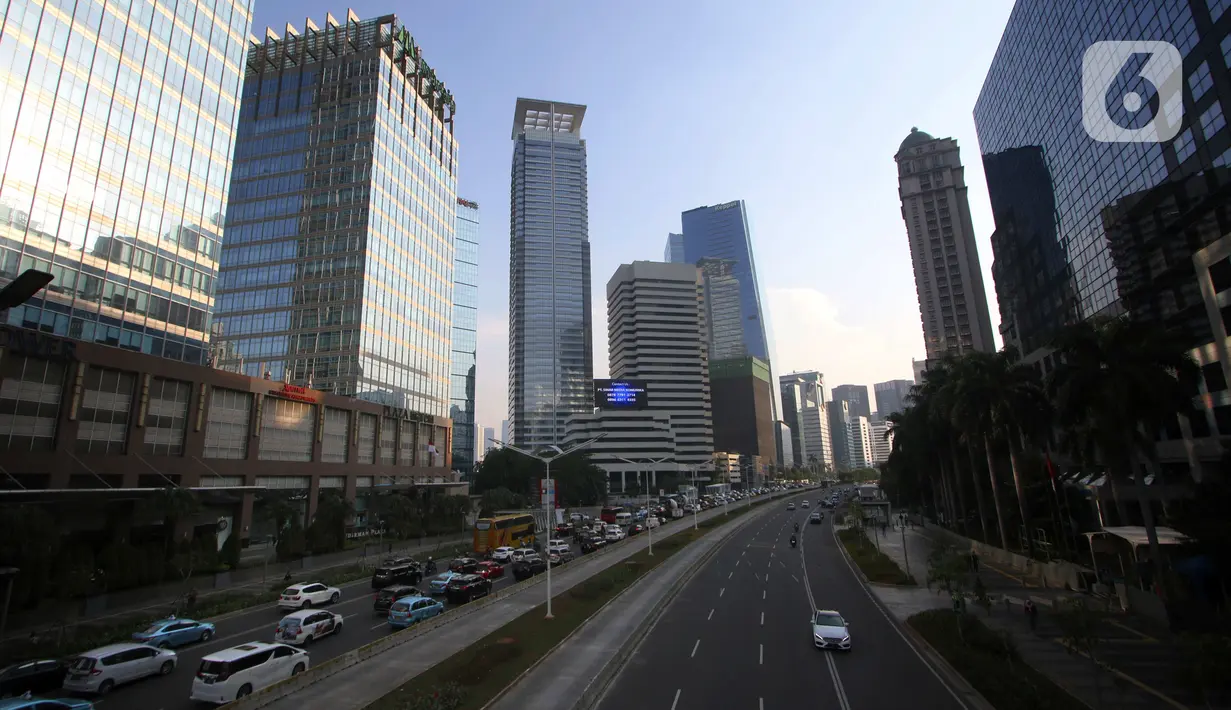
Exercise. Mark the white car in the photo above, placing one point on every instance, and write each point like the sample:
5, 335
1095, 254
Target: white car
614, 534
301, 628
804, 504
502, 554
524, 554
100, 670
830, 630
652, 522
557, 546
308, 595
236, 672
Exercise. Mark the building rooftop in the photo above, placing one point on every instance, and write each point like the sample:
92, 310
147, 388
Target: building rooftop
915, 139
539, 115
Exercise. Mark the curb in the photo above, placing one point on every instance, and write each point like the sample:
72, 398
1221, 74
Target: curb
957, 684
597, 688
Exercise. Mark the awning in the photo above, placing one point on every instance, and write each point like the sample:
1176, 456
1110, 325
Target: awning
1136, 535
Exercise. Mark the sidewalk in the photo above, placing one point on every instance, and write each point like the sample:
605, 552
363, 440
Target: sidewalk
1144, 673
111, 607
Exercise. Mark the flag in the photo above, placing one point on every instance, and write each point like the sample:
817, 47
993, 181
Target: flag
431, 448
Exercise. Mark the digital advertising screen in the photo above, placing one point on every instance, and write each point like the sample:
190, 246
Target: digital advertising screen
620, 394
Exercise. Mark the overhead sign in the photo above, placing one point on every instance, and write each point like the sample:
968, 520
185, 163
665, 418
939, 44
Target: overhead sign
620, 394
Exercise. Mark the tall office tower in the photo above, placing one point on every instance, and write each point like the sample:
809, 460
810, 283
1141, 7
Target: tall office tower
882, 441
860, 440
919, 367
856, 396
551, 354
891, 396
839, 415
674, 253
803, 409
489, 433
936, 209
465, 339
1087, 228
114, 153
722, 309
506, 432
338, 251
782, 440
743, 405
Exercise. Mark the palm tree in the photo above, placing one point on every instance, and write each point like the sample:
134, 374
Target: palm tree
173, 504
1121, 381
938, 391
968, 390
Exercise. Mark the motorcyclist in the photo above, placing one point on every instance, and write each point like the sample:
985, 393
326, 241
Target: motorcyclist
431, 566
793, 541
796, 527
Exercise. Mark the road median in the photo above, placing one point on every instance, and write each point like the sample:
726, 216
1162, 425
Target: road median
875, 567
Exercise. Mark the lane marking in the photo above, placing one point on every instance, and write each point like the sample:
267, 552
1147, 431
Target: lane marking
783, 565
767, 577
720, 591
761, 703
694, 649
843, 702
730, 574
795, 578
762, 618
762, 655
677, 699
762, 594
710, 616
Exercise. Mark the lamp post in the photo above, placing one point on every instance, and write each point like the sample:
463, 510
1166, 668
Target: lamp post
23, 288
549, 503
696, 496
653, 462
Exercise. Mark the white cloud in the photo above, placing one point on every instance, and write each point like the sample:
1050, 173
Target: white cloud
810, 334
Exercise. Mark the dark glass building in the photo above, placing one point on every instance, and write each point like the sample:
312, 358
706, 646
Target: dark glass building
337, 263
551, 353
117, 126
1084, 227
465, 340
742, 405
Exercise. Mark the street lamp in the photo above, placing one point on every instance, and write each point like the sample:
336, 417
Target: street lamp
653, 462
23, 288
696, 497
548, 503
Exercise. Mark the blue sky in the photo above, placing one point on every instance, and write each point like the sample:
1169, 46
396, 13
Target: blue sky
795, 107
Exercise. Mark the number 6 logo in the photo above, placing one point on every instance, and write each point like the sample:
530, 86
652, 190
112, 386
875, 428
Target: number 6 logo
1101, 67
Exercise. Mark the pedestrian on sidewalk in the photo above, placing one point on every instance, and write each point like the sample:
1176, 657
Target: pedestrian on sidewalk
1032, 614
974, 562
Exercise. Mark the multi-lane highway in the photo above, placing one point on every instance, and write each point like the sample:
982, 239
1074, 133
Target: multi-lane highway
739, 635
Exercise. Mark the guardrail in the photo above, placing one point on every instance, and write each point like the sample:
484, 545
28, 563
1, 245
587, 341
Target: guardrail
337, 664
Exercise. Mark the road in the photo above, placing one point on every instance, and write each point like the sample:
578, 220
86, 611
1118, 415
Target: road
738, 635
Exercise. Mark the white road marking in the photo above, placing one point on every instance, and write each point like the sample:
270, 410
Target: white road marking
795, 578
762, 618
837, 682
762, 594
677, 698
721, 591
730, 574
767, 577
710, 616
762, 655
694, 649
761, 703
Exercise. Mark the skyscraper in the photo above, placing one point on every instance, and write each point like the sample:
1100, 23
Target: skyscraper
840, 432
506, 433
114, 159
722, 309
936, 209
551, 358
803, 410
489, 433
782, 439
891, 396
861, 452
856, 396
674, 253
465, 340
337, 264
743, 408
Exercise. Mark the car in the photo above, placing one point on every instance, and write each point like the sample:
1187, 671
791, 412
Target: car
29, 701
172, 632
384, 599
467, 587
636, 528
301, 628
396, 571
308, 595
559, 558
790, 506
36, 676
413, 609
237, 672
490, 570
468, 565
804, 505
557, 545
99, 670
816, 518
440, 582
503, 554
830, 630
528, 568
523, 553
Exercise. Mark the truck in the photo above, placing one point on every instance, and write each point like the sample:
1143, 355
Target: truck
674, 505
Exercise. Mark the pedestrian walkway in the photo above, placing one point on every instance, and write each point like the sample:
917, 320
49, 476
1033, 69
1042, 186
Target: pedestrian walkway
1141, 671
113, 607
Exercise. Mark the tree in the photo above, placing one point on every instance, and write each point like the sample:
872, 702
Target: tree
327, 532
399, 514
578, 480
1079, 632
1206, 658
505, 468
968, 393
174, 505
1120, 381
499, 499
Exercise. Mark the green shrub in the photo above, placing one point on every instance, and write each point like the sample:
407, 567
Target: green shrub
483, 660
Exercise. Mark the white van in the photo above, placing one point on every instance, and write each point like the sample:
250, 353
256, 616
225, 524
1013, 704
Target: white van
236, 672
624, 519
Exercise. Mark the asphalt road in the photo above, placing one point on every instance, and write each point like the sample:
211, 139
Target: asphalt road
361, 626
739, 634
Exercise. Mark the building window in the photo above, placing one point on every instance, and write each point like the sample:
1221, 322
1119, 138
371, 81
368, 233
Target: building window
30, 392
334, 443
1200, 81
1226, 50
1184, 145
286, 430
1220, 275
105, 405
226, 429
166, 417
388, 439
1212, 120
1215, 381
406, 444
1217, 8
367, 438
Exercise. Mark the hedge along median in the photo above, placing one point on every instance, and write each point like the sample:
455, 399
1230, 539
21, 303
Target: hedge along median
874, 564
990, 663
472, 677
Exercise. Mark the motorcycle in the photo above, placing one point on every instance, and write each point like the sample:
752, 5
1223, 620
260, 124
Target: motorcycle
793, 541
796, 527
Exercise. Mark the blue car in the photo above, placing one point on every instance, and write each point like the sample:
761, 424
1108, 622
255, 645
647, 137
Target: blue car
30, 702
411, 610
440, 582
173, 632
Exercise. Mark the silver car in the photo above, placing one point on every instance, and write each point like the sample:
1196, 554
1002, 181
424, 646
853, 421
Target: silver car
830, 630
102, 669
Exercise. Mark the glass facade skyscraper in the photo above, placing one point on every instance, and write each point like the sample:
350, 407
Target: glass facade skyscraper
117, 123
722, 309
338, 258
551, 355
465, 326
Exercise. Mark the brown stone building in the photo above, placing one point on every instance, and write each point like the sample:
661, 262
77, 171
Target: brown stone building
81, 421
